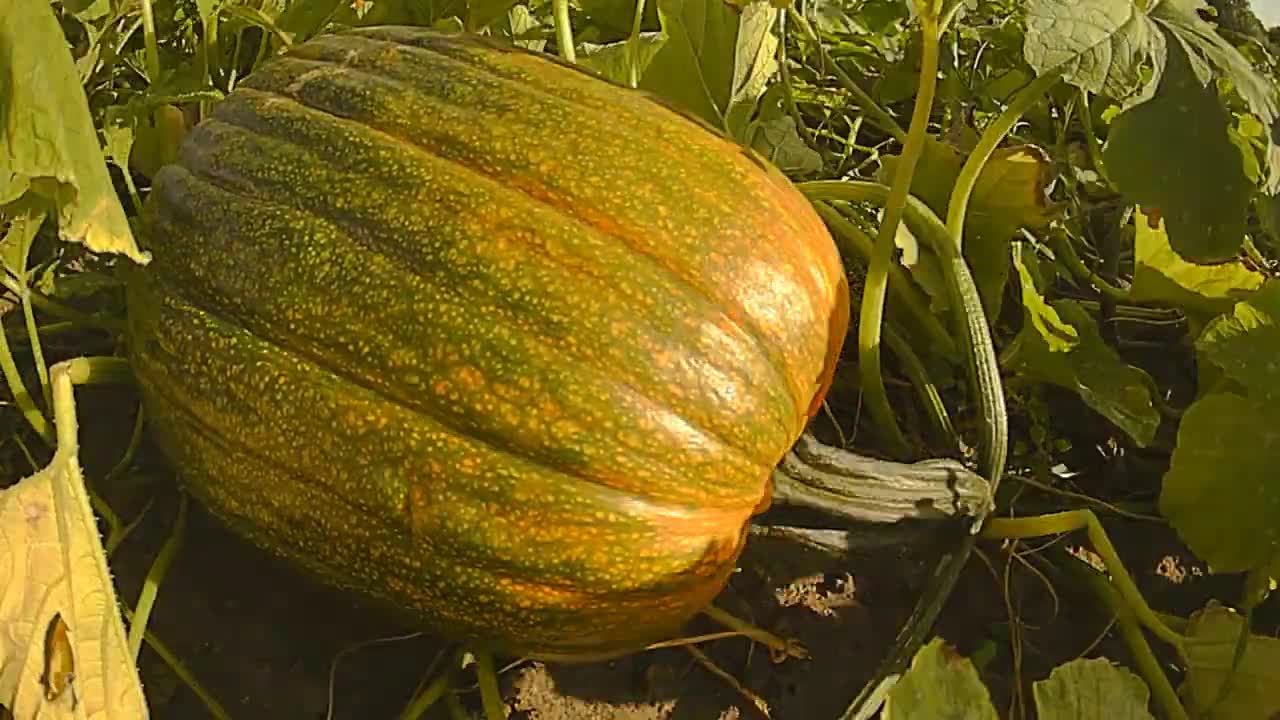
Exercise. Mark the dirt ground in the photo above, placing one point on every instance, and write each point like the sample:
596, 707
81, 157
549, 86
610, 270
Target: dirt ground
263, 639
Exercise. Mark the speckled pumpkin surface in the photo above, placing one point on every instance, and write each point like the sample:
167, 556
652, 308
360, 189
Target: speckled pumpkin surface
481, 336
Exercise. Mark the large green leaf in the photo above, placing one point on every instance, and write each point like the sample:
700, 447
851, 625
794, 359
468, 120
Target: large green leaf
1212, 637
1246, 342
1173, 153
1092, 369
1099, 45
1122, 48
1160, 275
1220, 492
1092, 689
49, 151
940, 684
717, 59
617, 61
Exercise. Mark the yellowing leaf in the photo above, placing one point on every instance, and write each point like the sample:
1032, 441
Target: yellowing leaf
48, 146
1092, 689
1161, 275
52, 564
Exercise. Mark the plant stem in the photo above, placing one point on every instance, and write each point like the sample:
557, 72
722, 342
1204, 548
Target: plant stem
1127, 623
991, 138
490, 697
1065, 251
855, 488
155, 576
181, 672
871, 311
152, 47
564, 31
853, 241
1070, 521
865, 101
633, 43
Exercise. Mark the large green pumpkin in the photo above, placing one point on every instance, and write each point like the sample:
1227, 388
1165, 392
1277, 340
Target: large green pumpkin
482, 336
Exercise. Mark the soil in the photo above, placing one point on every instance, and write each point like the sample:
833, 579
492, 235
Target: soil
264, 640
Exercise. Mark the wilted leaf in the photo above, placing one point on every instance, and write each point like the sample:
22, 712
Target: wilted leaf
1173, 153
1220, 492
1010, 194
1161, 275
1092, 689
1211, 641
1092, 369
54, 564
48, 146
940, 684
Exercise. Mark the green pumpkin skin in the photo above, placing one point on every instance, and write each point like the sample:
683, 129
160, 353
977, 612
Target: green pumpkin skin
481, 336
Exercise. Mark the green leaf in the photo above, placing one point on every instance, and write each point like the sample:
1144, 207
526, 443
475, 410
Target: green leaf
616, 16
1212, 635
1220, 492
694, 68
773, 134
1092, 689
1160, 275
1057, 335
1121, 48
1210, 52
1098, 45
49, 151
755, 63
615, 60
1245, 343
940, 685
480, 13
1173, 153
717, 60
1092, 369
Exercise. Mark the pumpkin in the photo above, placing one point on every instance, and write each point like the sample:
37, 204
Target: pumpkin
481, 336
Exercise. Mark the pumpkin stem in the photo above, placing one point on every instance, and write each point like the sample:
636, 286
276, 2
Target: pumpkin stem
857, 488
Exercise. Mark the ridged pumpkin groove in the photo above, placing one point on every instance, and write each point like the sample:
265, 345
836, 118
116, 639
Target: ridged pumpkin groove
481, 336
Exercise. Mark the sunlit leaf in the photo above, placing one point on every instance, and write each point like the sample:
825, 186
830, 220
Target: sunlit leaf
1220, 492
54, 564
1092, 689
1212, 636
49, 149
1058, 336
1160, 275
717, 59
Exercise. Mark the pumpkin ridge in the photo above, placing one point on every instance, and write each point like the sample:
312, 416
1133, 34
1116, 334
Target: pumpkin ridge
491, 564
669, 509
740, 319
375, 244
